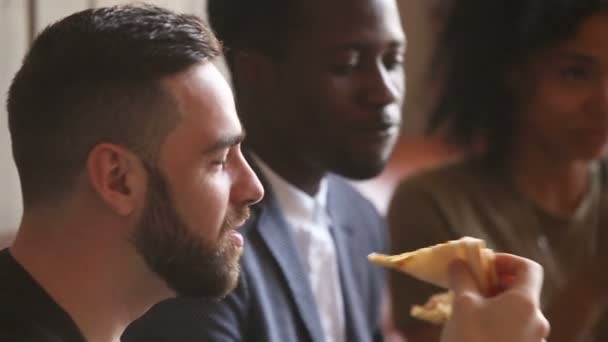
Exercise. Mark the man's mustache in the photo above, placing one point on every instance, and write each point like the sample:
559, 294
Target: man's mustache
235, 218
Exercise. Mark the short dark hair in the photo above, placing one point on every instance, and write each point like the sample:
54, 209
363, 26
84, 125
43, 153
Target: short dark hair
261, 25
480, 46
94, 77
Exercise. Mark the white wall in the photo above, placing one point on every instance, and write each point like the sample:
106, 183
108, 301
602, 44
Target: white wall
48, 11
13, 43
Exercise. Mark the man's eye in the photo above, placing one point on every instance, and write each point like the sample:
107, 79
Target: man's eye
221, 160
343, 69
220, 163
575, 73
392, 62
346, 63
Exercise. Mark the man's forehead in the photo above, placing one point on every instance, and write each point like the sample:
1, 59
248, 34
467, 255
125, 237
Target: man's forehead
226, 140
329, 20
200, 85
322, 10
204, 102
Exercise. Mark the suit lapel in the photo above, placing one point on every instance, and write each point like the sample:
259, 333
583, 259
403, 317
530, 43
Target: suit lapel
275, 233
343, 234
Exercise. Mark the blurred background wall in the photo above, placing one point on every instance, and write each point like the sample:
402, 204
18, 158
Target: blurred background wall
21, 20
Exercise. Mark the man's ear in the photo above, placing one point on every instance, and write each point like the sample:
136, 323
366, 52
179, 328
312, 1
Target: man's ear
117, 176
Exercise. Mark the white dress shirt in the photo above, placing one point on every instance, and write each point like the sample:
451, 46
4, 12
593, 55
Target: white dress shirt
310, 222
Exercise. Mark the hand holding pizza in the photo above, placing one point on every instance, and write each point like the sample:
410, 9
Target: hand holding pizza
511, 315
492, 297
431, 264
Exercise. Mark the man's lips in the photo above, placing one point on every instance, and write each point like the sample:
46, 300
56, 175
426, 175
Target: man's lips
237, 238
379, 131
382, 125
241, 221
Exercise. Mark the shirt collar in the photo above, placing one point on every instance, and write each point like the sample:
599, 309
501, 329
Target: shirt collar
297, 206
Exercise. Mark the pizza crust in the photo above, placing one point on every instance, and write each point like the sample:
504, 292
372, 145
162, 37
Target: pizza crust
436, 310
430, 264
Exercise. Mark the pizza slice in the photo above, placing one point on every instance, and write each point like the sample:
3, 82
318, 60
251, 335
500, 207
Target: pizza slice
437, 308
431, 264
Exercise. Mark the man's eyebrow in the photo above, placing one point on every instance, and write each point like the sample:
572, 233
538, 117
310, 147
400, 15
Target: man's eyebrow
394, 44
225, 142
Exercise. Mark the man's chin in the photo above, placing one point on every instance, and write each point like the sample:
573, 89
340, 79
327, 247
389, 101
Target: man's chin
203, 287
361, 171
230, 286
211, 280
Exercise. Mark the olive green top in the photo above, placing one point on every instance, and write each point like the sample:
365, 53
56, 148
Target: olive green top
470, 198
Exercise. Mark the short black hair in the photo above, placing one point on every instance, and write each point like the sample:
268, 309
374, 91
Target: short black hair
261, 25
482, 42
94, 77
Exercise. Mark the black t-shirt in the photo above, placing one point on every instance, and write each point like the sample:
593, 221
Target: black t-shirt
27, 312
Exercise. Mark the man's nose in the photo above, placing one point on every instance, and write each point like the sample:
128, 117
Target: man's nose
247, 189
384, 87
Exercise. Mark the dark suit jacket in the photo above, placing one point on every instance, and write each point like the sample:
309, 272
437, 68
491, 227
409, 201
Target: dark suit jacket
273, 301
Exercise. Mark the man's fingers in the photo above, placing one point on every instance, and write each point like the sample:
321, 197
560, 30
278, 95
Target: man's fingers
545, 326
461, 278
516, 272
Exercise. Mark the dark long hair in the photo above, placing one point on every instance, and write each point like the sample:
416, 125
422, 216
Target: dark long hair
481, 44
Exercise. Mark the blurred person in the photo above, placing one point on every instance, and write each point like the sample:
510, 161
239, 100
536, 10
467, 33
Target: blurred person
423, 22
127, 145
524, 89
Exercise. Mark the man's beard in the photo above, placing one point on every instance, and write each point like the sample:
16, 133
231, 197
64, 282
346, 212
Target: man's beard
189, 264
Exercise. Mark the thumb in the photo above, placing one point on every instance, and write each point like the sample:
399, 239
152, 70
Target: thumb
517, 272
460, 278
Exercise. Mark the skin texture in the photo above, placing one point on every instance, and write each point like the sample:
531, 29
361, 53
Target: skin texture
201, 166
333, 101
